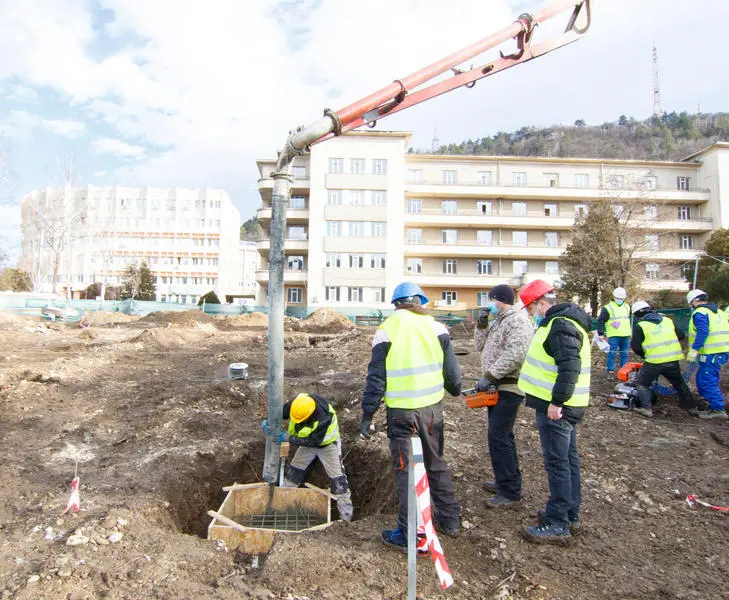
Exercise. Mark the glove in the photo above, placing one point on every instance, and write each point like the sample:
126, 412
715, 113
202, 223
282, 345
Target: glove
366, 428
282, 437
483, 319
485, 385
265, 426
692, 355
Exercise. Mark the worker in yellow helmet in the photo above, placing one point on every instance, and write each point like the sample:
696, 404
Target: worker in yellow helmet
313, 427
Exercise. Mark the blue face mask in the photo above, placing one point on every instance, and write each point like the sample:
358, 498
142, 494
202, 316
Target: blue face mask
538, 319
619, 302
491, 307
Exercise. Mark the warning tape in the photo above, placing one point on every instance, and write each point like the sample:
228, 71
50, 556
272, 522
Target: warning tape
692, 501
422, 491
74, 499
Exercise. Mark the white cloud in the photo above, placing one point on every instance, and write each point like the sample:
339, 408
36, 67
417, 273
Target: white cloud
18, 125
66, 128
20, 93
99, 173
118, 148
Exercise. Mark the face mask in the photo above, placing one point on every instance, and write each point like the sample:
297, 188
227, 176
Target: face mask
491, 307
619, 302
538, 319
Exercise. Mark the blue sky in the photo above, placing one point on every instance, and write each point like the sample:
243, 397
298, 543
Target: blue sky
176, 92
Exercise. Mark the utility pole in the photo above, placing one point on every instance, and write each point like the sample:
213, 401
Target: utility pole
657, 110
38, 266
696, 270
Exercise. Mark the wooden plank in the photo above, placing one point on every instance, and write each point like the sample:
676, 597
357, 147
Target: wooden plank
244, 486
319, 490
227, 521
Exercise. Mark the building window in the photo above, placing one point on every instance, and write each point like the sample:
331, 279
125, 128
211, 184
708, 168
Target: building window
485, 236
687, 242
519, 178
378, 261
519, 267
449, 236
295, 233
356, 197
415, 205
484, 177
683, 183
356, 261
519, 238
582, 180
331, 294
297, 202
415, 236
615, 181
551, 179
415, 175
450, 177
357, 165
450, 266
298, 172
650, 212
551, 239
448, 207
651, 242
336, 165
652, 271
379, 295
687, 271
485, 207
684, 213
334, 228
414, 265
334, 261
294, 295
519, 209
551, 267
354, 294
482, 298
449, 297
379, 166
378, 229
550, 210
356, 229
650, 182
379, 198
581, 210
484, 267
334, 197
295, 263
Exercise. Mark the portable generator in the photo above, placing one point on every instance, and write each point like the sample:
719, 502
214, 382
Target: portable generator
625, 394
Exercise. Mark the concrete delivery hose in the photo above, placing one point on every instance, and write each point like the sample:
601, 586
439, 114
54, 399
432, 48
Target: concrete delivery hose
669, 390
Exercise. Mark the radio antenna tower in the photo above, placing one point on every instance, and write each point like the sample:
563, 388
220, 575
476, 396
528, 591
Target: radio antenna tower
657, 110
435, 144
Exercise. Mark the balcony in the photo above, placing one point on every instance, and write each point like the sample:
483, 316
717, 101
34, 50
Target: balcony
471, 280
298, 187
473, 249
293, 215
657, 285
290, 244
478, 220
290, 276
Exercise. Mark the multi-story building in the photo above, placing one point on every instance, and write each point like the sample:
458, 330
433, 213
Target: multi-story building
249, 262
366, 214
85, 235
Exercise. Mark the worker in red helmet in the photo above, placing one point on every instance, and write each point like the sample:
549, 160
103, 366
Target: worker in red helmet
555, 379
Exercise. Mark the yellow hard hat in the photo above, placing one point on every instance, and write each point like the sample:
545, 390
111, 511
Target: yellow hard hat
302, 408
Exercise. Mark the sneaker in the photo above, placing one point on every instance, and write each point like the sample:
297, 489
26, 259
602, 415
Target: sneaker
611, 374
646, 412
547, 533
450, 530
575, 525
502, 502
712, 414
398, 539
490, 486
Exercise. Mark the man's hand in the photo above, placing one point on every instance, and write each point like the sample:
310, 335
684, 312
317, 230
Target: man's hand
692, 355
484, 385
483, 319
366, 428
554, 413
265, 426
603, 338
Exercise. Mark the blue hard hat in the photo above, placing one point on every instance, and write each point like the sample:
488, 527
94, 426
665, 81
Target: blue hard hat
408, 289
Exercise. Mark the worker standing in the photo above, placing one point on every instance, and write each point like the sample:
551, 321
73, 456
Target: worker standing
412, 363
658, 341
503, 345
314, 428
556, 380
613, 325
709, 345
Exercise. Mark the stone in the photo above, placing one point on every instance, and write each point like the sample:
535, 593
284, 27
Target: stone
77, 539
33, 579
115, 536
64, 572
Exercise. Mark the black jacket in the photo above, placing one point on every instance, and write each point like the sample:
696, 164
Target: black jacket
377, 371
321, 414
563, 344
636, 341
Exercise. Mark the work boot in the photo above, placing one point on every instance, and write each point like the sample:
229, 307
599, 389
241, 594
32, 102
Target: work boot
547, 533
646, 412
503, 502
450, 529
712, 414
490, 486
398, 539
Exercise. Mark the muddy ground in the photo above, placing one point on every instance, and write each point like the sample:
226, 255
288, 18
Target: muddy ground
159, 430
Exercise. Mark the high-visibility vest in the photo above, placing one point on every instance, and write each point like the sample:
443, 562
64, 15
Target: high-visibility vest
539, 371
660, 342
619, 315
414, 362
304, 431
718, 339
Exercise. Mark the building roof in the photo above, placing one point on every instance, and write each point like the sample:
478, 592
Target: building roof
551, 160
714, 146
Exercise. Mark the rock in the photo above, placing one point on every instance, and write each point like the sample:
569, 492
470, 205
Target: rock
109, 523
33, 579
115, 536
77, 539
64, 572
466, 524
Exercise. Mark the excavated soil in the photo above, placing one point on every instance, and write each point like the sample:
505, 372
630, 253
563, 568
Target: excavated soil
157, 431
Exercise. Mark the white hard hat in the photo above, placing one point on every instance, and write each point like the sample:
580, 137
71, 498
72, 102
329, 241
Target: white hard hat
639, 305
620, 293
693, 294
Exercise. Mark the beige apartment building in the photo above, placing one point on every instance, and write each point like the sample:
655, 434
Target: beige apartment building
365, 215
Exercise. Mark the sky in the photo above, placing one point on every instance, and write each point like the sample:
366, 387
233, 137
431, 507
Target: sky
188, 93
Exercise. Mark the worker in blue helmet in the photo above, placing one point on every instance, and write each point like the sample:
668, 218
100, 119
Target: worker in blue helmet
412, 364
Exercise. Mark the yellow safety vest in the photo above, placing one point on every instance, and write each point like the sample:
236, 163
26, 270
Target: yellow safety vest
619, 315
539, 371
414, 363
660, 342
718, 339
331, 435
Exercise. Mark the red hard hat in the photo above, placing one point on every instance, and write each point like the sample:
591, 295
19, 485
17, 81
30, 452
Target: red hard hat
534, 290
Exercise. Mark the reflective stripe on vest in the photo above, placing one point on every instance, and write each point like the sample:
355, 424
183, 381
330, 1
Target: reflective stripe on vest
539, 371
619, 315
331, 435
718, 339
660, 342
414, 363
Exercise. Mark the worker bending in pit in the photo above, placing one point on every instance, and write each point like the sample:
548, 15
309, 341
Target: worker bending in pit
313, 427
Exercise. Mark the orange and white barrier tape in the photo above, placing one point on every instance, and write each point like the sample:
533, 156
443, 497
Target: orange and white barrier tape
74, 499
692, 501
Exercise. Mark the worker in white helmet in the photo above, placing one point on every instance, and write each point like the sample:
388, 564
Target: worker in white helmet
613, 326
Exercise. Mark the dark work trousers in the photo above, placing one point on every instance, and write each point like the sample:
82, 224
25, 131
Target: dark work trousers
562, 464
427, 424
502, 446
649, 372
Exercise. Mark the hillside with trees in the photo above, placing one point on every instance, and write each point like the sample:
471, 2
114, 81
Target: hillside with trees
671, 137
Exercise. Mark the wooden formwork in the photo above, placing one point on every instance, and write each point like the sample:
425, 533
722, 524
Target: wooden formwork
255, 499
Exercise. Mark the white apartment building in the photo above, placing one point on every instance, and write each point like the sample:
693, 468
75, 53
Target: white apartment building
189, 239
249, 263
365, 215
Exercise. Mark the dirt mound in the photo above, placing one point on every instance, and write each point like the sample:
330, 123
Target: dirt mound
179, 318
254, 320
9, 320
105, 317
325, 320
